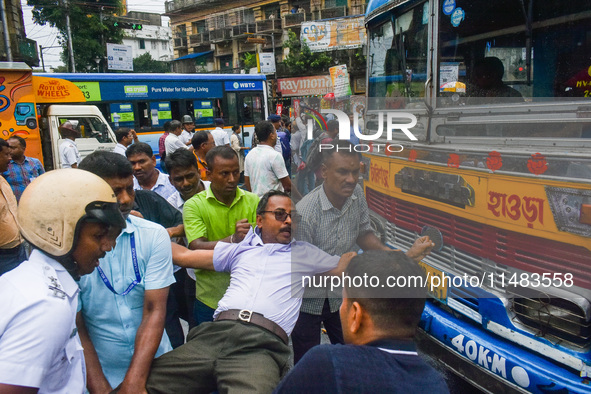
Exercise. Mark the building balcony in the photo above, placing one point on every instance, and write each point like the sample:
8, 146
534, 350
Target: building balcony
357, 9
27, 49
218, 35
335, 12
246, 47
269, 25
245, 28
179, 5
223, 50
294, 20
199, 39
179, 43
269, 43
238, 70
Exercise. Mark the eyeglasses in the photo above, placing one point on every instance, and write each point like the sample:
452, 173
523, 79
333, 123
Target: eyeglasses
281, 215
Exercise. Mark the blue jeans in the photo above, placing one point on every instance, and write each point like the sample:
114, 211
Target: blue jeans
11, 258
305, 183
202, 313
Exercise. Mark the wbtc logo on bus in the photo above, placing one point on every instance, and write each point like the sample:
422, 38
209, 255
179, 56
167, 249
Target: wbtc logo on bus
345, 128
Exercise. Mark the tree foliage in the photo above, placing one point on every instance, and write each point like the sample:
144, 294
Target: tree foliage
90, 32
301, 60
145, 64
249, 60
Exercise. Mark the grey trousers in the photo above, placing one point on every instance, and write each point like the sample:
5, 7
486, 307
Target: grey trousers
227, 356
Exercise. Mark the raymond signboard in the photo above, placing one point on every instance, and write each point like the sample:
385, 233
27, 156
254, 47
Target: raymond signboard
305, 86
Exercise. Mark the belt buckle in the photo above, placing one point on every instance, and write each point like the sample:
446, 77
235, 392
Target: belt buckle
245, 315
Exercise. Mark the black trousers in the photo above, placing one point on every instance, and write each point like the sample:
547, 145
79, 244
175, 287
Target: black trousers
306, 333
177, 308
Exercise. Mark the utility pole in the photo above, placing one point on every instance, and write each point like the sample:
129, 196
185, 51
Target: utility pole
5, 31
69, 32
41, 53
41, 49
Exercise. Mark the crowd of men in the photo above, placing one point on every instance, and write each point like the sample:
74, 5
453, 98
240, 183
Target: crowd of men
121, 253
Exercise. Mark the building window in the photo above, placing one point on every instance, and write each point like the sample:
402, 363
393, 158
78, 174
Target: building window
142, 44
154, 44
334, 3
164, 45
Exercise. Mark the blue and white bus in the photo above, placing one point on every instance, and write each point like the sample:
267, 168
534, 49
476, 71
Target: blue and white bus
499, 175
145, 102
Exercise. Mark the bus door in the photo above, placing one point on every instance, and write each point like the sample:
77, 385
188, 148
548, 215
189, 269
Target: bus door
144, 115
250, 112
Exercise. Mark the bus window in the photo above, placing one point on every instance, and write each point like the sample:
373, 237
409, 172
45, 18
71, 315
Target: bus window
144, 116
175, 109
190, 108
545, 55
252, 110
160, 113
122, 115
397, 59
232, 108
203, 112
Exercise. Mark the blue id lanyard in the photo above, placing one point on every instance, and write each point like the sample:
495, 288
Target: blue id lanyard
137, 279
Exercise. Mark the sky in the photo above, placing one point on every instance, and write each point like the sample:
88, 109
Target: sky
47, 36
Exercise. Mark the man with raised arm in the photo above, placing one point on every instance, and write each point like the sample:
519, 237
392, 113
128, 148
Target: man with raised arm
335, 218
245, 349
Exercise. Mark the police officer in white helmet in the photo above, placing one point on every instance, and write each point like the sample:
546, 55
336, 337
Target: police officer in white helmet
188, 129
71, 218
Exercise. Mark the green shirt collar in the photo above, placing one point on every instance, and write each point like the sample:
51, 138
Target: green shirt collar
239, 193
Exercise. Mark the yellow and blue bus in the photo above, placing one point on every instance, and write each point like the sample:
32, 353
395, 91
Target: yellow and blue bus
500, 176
145, 102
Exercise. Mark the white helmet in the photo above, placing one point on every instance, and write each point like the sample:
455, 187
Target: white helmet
52, 207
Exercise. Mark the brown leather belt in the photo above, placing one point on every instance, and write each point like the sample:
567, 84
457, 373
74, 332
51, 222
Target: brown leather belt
254, 318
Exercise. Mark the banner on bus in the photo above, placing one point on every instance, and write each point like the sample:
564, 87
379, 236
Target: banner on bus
334, 34
305, 86
54, 90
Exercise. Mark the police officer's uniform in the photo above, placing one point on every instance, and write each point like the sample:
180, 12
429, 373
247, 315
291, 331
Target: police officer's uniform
39, 343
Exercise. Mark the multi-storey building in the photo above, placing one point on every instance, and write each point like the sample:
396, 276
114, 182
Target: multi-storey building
22, 48
212, 35
153, 38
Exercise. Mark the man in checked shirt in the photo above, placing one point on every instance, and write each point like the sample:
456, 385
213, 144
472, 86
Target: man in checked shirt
21, 169
335, 218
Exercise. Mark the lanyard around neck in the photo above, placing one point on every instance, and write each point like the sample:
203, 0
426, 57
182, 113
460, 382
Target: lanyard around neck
137, 279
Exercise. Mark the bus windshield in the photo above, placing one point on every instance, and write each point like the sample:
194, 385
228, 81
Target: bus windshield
512, 51
397, 60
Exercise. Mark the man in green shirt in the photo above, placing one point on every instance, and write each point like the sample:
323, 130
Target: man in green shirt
222, 212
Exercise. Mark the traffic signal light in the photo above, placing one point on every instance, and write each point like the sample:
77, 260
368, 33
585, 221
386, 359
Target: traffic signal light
127, 25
